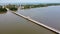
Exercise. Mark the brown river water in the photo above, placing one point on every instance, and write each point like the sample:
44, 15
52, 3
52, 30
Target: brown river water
13, 24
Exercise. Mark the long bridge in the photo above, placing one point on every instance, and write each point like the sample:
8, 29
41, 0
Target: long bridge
36, 22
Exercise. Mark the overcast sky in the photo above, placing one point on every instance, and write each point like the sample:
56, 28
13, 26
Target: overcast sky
29, 1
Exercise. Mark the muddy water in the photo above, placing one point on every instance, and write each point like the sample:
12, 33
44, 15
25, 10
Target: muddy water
13, 24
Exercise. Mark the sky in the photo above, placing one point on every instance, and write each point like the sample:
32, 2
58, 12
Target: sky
29, 1
42, 1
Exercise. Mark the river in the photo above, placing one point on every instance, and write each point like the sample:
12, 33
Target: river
49, 16
13, 24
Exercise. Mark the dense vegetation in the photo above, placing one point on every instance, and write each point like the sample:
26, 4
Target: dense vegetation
12, 7
39, 5
2, 9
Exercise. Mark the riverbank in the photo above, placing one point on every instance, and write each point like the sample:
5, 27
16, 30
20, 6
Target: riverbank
38, 5
29, 6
